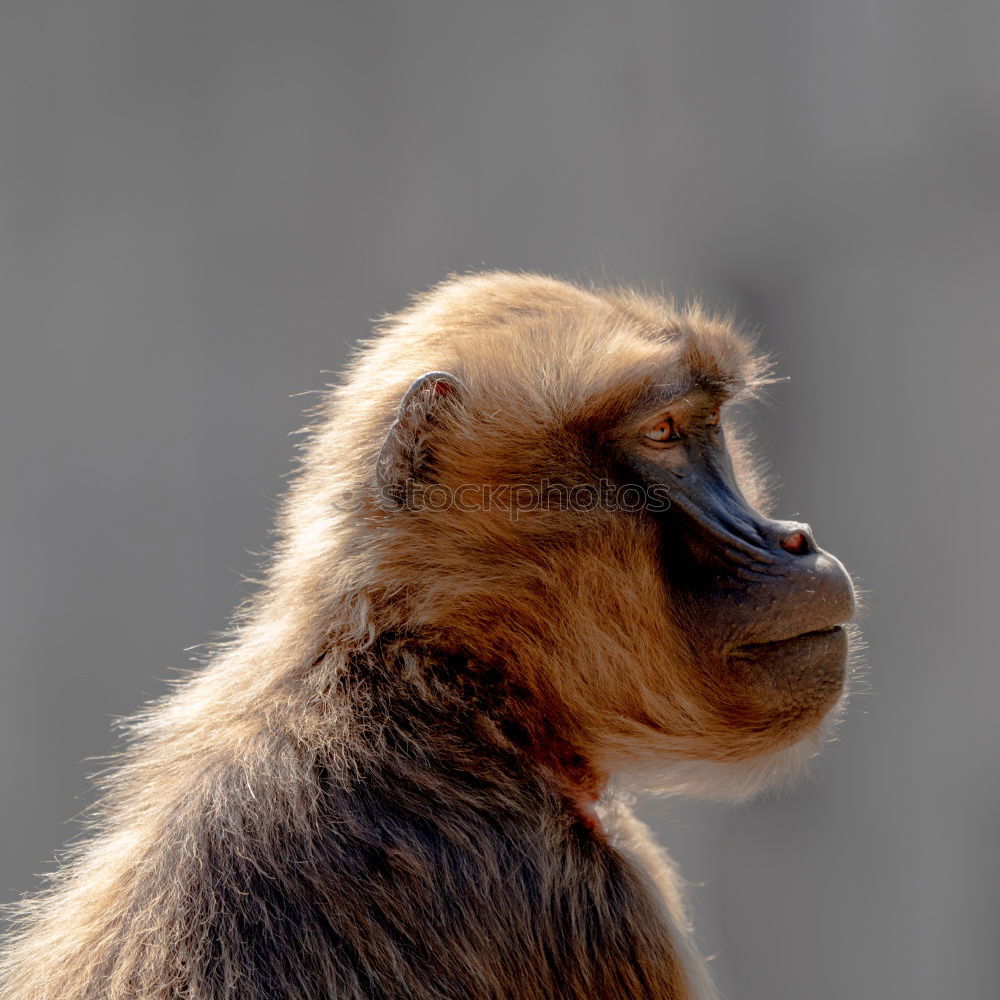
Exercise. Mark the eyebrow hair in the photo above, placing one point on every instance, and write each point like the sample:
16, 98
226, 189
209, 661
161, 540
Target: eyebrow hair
633, 396
669, 393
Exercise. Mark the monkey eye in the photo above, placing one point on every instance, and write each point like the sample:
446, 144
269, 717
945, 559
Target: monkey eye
714, 417
664, 432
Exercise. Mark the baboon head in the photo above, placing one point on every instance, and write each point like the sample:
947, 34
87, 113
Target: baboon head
558, 486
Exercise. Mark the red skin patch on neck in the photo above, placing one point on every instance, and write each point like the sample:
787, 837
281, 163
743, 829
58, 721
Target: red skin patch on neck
587, 810
574, 776
580, 783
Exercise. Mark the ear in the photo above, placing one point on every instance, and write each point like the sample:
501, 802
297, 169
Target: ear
403, 455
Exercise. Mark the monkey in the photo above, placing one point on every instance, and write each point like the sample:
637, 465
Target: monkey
521, 573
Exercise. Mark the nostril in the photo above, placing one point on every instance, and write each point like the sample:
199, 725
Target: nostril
797, 543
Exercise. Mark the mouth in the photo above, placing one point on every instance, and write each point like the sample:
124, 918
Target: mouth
754, 649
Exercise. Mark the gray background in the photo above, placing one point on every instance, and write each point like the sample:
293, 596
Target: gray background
203, 203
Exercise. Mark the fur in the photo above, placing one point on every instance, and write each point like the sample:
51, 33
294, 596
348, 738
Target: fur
379, 788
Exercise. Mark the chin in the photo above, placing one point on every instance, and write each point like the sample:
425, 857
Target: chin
790, 685
796, 693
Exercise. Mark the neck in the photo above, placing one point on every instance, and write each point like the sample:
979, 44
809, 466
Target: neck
476, 718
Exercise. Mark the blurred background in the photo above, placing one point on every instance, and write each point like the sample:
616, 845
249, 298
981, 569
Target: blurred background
203, 204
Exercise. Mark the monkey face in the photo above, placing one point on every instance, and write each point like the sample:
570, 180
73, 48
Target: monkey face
687, 626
